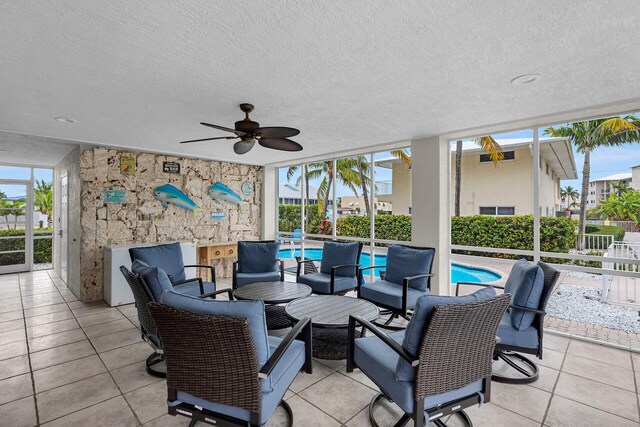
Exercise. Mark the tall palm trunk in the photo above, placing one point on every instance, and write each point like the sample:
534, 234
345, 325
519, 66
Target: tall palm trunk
363, 183
306, 201
586, 169
458, 176
327, 195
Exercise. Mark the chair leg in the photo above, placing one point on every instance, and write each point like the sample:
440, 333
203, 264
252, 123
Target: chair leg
401, 422
464, 420
527, 368
287, 408
156, 371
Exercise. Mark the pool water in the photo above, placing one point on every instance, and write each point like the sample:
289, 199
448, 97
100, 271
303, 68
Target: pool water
459, 272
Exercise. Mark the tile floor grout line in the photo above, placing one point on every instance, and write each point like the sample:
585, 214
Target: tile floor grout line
33, 381
553, 390
635, 380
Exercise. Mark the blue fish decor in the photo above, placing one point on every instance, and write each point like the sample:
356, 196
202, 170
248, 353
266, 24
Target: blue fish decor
167, 193
219, 191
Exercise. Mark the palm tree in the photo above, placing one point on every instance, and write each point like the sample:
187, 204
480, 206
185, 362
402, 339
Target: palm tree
618, 187
43, 197
589, 135
347, 174
490, 146
569, 194
364, 169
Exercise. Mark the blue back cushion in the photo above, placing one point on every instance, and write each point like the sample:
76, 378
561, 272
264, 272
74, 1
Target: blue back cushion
168, 257
258, 257
336, 253
525, 284
156, 278
403, 261
419, 320
252, 310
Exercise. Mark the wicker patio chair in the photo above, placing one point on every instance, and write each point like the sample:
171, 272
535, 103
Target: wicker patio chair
517, 332
338, 269
143, 295
440, 365
222, 368
257, 262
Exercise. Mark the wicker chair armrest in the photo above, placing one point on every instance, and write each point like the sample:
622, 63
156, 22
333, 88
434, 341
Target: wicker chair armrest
303, 261
532, 310
484, 285
229, 291
418, 276
210, 267
185, 281
303, 325
354, 320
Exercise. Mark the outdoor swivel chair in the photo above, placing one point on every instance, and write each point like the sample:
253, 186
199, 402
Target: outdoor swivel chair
521, 328
338, 269
143, 295
222, 368
257, 262
168, 257
406, 278
439, 365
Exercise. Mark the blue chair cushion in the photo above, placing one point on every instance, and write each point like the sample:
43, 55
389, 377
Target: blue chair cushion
321, 283
252, 310
378, 362
389, 294
525, 284
168, 256
156, 278
403, 261
193, 288
247, 278
336, 253
258, 257
281, 378
527, 337
419, 320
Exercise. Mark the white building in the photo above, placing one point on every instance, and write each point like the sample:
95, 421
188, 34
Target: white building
602, 188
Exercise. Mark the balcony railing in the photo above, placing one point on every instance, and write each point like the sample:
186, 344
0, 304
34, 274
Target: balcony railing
384, 187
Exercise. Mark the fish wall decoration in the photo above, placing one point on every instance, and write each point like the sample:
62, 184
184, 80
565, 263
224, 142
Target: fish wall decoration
167, 193
219, 191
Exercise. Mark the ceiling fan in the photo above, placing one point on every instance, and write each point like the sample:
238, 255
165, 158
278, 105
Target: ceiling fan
274, 137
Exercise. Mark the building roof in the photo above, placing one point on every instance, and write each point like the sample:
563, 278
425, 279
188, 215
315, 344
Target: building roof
290, 191
614, 177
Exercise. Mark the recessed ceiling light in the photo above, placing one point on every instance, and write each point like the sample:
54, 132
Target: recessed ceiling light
525, 79
64, 120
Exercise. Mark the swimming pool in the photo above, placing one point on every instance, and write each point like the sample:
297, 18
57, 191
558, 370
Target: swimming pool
459, 272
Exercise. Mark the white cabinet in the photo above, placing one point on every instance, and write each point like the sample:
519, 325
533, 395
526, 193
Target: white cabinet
116, 288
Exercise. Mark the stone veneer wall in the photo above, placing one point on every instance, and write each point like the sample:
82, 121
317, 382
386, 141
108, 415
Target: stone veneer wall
105, 224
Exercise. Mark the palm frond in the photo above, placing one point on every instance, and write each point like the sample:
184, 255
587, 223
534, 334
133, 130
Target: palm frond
491, 147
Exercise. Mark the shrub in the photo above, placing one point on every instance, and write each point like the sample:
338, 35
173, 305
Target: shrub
388, 227
42, 248
613, 230
289, 218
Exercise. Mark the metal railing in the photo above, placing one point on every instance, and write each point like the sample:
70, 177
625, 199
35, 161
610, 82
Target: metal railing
384, 187
593, 242
622, 289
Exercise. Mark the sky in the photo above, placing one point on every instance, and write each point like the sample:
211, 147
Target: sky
604, 161
11, 172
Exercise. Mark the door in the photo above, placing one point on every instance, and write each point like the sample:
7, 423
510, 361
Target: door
16, 227
64, 242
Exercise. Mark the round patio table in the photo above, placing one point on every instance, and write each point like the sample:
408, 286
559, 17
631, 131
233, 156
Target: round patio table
330, 319
272, 294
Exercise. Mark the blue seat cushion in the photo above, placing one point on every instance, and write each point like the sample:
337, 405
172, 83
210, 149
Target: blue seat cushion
321, 282
252, 310
247, 278
336, 253
389, 294
281, 378
525, 284
156, 278
420, 318
193, 288
527, 337
167, 256
403, 261
258, 257
378, 362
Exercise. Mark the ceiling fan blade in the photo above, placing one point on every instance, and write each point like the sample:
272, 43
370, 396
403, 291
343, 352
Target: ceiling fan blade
208, 139
242, 147
280, 144
237, 132
276, 132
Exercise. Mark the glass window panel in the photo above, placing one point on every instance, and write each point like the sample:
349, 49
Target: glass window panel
392, 195
289, 192
14, 172
353, 191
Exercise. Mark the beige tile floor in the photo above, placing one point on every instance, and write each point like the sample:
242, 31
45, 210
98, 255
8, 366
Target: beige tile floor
66, 363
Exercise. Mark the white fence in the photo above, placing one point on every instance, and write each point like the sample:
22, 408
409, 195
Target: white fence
619, 289
593, 242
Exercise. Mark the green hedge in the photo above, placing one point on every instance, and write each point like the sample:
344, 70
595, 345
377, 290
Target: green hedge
512, 232
615, 231
388, 227
289, 218
42, 248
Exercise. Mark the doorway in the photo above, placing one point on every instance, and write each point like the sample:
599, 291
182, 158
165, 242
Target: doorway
16, 225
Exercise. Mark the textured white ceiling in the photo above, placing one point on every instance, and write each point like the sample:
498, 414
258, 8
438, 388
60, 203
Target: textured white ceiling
18, 149
143, 73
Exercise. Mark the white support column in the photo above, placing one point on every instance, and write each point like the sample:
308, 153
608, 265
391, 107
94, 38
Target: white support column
269, 203
430, 211
535, 179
